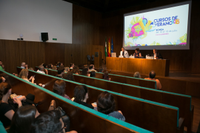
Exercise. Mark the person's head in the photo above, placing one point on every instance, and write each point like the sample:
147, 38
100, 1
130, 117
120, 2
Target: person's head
44, 65
23, 118
23, 64
2, 79
80, 93
105, 75
137, 50
23, 74
137, 75
152, 75
91, 66
41, 68
76, 69
50, 66
84, 71
154, 51
67, 69
1, 63
48, 122
122, 49
59, 87
60, 71
105, 103
68, 76
54, 67
92, 74
5, 89
71, 65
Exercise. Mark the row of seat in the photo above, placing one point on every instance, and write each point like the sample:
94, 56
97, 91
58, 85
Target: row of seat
82, 119
153, 116
183, 102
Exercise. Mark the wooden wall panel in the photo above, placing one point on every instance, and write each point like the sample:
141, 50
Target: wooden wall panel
12, 53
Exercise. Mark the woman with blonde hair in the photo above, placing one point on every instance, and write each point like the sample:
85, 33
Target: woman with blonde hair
24, 75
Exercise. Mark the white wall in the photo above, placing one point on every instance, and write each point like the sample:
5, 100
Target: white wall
31, 17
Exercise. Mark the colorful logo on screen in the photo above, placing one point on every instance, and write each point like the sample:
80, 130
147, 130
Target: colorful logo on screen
138, 28
166, 21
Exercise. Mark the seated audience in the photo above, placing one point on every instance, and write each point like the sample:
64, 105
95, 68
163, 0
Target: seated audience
81, 96
50, 66
105, 75
92, 74
76, 70
41, 69
50, 122
59, 88
1, 65
23, 65
66, 69
71, 66
137, 75
68, 76
85, 72
91, 68
152, 76
23, 118
106, 104
54, 67
2, 79
60, 73
6, 110
24, 75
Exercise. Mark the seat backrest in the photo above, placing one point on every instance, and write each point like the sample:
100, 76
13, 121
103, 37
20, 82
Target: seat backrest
82, 119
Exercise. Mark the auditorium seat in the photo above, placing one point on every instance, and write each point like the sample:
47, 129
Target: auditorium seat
143, 113
82, 119
183, 102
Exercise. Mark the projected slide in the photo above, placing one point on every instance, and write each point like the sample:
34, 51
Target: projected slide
163, 27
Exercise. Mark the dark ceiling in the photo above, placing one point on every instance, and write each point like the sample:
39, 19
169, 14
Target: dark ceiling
108, 5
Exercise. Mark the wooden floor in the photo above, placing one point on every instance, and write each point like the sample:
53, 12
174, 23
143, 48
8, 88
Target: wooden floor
196, 119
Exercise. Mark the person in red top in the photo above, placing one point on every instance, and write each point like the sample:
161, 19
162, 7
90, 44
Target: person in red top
152, 75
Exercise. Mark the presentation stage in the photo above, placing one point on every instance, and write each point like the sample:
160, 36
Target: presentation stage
160, 28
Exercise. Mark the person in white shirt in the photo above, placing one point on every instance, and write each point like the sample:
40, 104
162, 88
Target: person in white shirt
124, 53
41, 69
23, 65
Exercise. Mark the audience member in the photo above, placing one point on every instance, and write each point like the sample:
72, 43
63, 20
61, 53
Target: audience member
152, 76
81, 96
1, 65
85, 72
76, 70
6, 110
2, 79
71, 65
91, 68
24, 75
137, 75
23, 118
60, 73
50, 66
41, 69
68, 76
54, 67
59, 88
92, 74
50, 122
105, 75
30, 68
106, 104
66, 69
23, 65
